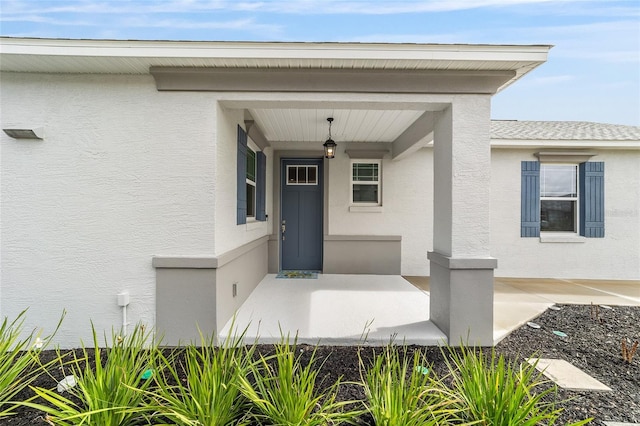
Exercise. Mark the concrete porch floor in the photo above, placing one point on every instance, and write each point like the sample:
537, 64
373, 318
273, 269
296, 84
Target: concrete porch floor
347, 309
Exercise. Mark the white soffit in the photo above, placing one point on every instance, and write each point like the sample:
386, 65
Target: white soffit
349, 125
136, 57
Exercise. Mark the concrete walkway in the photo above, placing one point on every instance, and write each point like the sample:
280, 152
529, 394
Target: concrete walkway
346, 309
518, 300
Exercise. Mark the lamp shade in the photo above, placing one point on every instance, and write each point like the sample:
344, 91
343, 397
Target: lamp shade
329, 145
329, 148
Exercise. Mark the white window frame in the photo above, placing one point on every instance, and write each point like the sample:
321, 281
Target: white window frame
575, 200
252, 148
307, 166
369, 182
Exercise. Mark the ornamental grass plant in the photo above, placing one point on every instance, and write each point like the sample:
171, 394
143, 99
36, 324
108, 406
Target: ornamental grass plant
494, 391
403, 391
283, 391
211, 394
130, 381
110, 384
19, 360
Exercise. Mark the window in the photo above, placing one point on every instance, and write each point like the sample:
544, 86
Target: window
365, 182
251, 182
562, 198
558, 197
302, 175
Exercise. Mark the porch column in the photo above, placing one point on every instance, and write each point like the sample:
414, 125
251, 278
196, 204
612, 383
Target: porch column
461, 267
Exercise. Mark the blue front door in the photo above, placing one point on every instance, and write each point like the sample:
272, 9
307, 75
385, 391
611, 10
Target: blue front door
301, 221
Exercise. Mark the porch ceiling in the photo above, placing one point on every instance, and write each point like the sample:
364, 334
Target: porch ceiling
350, 125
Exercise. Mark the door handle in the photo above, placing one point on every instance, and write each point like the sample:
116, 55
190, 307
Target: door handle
283, 227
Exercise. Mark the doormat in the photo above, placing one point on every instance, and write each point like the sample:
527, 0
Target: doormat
298, 274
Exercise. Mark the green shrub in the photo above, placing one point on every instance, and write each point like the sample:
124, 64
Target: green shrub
497, 392
283, 391
109, 391
401, 392
211, 395
18, 361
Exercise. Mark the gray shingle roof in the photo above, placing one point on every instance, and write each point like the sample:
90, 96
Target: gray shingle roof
562, 130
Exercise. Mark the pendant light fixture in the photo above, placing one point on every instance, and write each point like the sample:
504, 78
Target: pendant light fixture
330, 145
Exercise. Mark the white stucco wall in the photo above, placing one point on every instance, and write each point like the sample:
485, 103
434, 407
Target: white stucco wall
407, 194
229, 234
247, 273
124, 173
616, 256
408, 208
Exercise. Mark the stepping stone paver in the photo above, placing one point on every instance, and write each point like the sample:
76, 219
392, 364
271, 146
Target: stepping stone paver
567, 376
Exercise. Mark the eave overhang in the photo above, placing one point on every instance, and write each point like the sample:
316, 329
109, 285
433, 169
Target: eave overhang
139, 57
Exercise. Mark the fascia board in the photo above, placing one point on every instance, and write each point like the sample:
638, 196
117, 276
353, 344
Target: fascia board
561, 143
520, 55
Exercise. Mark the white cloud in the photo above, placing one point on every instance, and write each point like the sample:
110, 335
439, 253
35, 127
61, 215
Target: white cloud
237, 24
444, 38
307, 7
39, 19
115, 17
611, 41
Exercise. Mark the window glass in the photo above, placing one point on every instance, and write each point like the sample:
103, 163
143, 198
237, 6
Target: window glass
365, 193
251, 183
302, 175
365, 182
292, 174
312, 176
365, 172
557, 215
558, 181
251, 165
251, 200
558, 197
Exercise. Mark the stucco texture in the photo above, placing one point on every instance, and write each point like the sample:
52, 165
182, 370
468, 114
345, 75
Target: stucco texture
407, 207
616, 256
124, 173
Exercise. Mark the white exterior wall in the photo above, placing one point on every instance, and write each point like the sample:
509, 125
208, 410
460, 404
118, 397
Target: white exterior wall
229, 235
616, 256
124, 173
407, 189
407, 202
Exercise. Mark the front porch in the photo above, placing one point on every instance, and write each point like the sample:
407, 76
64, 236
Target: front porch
377, 309
337, 310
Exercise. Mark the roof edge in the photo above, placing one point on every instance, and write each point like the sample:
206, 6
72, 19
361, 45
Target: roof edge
142, 48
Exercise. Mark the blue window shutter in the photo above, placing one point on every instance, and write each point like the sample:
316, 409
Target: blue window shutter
242, 176
530, 199
261, 186
592, 199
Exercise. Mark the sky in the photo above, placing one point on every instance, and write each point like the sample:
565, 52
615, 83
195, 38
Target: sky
592, 73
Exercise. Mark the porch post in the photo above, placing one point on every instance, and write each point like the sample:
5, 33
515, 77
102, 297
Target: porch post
461, 267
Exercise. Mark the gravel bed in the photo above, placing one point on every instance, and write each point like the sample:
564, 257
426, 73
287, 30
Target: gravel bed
593, 344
